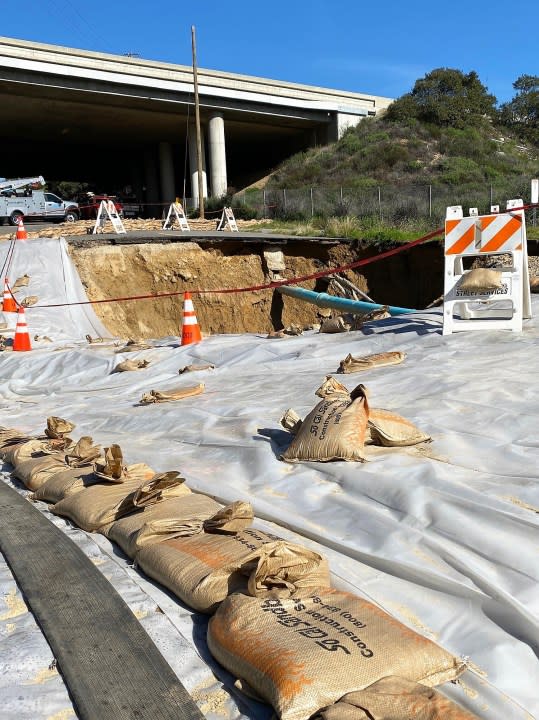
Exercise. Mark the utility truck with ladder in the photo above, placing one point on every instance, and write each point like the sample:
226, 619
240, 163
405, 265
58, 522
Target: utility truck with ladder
24, 198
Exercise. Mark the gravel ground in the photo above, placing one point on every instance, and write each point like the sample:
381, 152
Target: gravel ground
533, 264
494, 261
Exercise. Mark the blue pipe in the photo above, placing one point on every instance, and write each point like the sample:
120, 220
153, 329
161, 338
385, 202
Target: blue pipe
339, 303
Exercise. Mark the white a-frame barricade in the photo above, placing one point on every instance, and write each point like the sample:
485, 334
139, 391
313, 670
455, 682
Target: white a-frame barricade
175, 215
498, 234
107, 211
227, 218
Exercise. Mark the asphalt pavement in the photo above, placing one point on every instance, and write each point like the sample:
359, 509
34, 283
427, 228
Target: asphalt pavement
7, 229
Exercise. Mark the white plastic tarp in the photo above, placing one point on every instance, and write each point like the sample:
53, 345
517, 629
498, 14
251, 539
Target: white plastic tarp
443, 536
54, 280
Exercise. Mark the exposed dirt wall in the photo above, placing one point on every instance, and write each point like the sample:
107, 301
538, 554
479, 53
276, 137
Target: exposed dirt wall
111, 271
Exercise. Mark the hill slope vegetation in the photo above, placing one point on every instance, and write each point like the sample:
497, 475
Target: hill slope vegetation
446, 133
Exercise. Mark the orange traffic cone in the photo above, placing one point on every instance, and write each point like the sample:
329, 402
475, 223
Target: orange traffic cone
8, 303
190, 327
21, 232
21, 341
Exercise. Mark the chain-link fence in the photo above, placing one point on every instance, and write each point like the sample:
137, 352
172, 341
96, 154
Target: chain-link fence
387, 203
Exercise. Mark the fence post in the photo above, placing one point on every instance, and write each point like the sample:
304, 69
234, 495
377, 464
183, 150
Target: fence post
312, 204
380, 202
284, 199
264, 204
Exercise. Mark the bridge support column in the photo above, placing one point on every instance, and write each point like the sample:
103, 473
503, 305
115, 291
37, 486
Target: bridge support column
166, 172
340, 122
193, 165
216, 139
151, 183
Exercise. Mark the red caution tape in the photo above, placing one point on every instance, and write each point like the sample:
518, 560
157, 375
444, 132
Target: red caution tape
280, 283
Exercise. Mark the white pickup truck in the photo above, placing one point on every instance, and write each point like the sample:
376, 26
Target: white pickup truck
18, 199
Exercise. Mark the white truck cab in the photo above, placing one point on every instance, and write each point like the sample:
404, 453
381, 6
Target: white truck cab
20, 199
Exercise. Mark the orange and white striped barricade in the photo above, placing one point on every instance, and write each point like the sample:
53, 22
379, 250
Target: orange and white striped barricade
481, 236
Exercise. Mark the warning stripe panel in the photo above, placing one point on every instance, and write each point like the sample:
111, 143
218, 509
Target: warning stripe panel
450, 225
508, 230
487, 220
463, 242
498, 233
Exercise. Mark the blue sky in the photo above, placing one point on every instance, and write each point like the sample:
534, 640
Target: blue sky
373, 47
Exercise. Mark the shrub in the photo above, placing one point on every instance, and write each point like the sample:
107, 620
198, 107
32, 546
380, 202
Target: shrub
213, 205
460, 170
347, 226
350, 143
446, 97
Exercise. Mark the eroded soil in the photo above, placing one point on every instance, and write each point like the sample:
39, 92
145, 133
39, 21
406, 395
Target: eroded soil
411, 279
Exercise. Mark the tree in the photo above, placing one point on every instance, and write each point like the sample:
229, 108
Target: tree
522, 113
446, 97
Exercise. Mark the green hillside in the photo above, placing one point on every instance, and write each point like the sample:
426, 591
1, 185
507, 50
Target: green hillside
382, 151
444, 143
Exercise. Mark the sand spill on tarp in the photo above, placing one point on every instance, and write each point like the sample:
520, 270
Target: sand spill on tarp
15, 603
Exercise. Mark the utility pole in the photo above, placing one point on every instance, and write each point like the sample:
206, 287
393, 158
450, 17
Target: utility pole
198, 133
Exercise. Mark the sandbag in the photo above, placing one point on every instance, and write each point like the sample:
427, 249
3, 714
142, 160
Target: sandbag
57, 439
66, 482
130, 365
291, 421
330, 388
105, 502
480, 279
19, 452
384, 427
112, 468
285, 570
394, 698
392, 430
158, 396
381, 313
302, 655
57, 427
334, 325
173, 517
163, 525
132, 345
196, 368
158, 488
20, 282
83, 452
230, 519
11, 436
225, 520
36, 471
202, 570
352, 364
333, 430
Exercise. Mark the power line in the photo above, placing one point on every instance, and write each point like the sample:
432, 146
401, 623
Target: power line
81, 27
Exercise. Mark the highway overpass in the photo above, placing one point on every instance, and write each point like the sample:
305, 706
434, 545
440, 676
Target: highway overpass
114, 121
